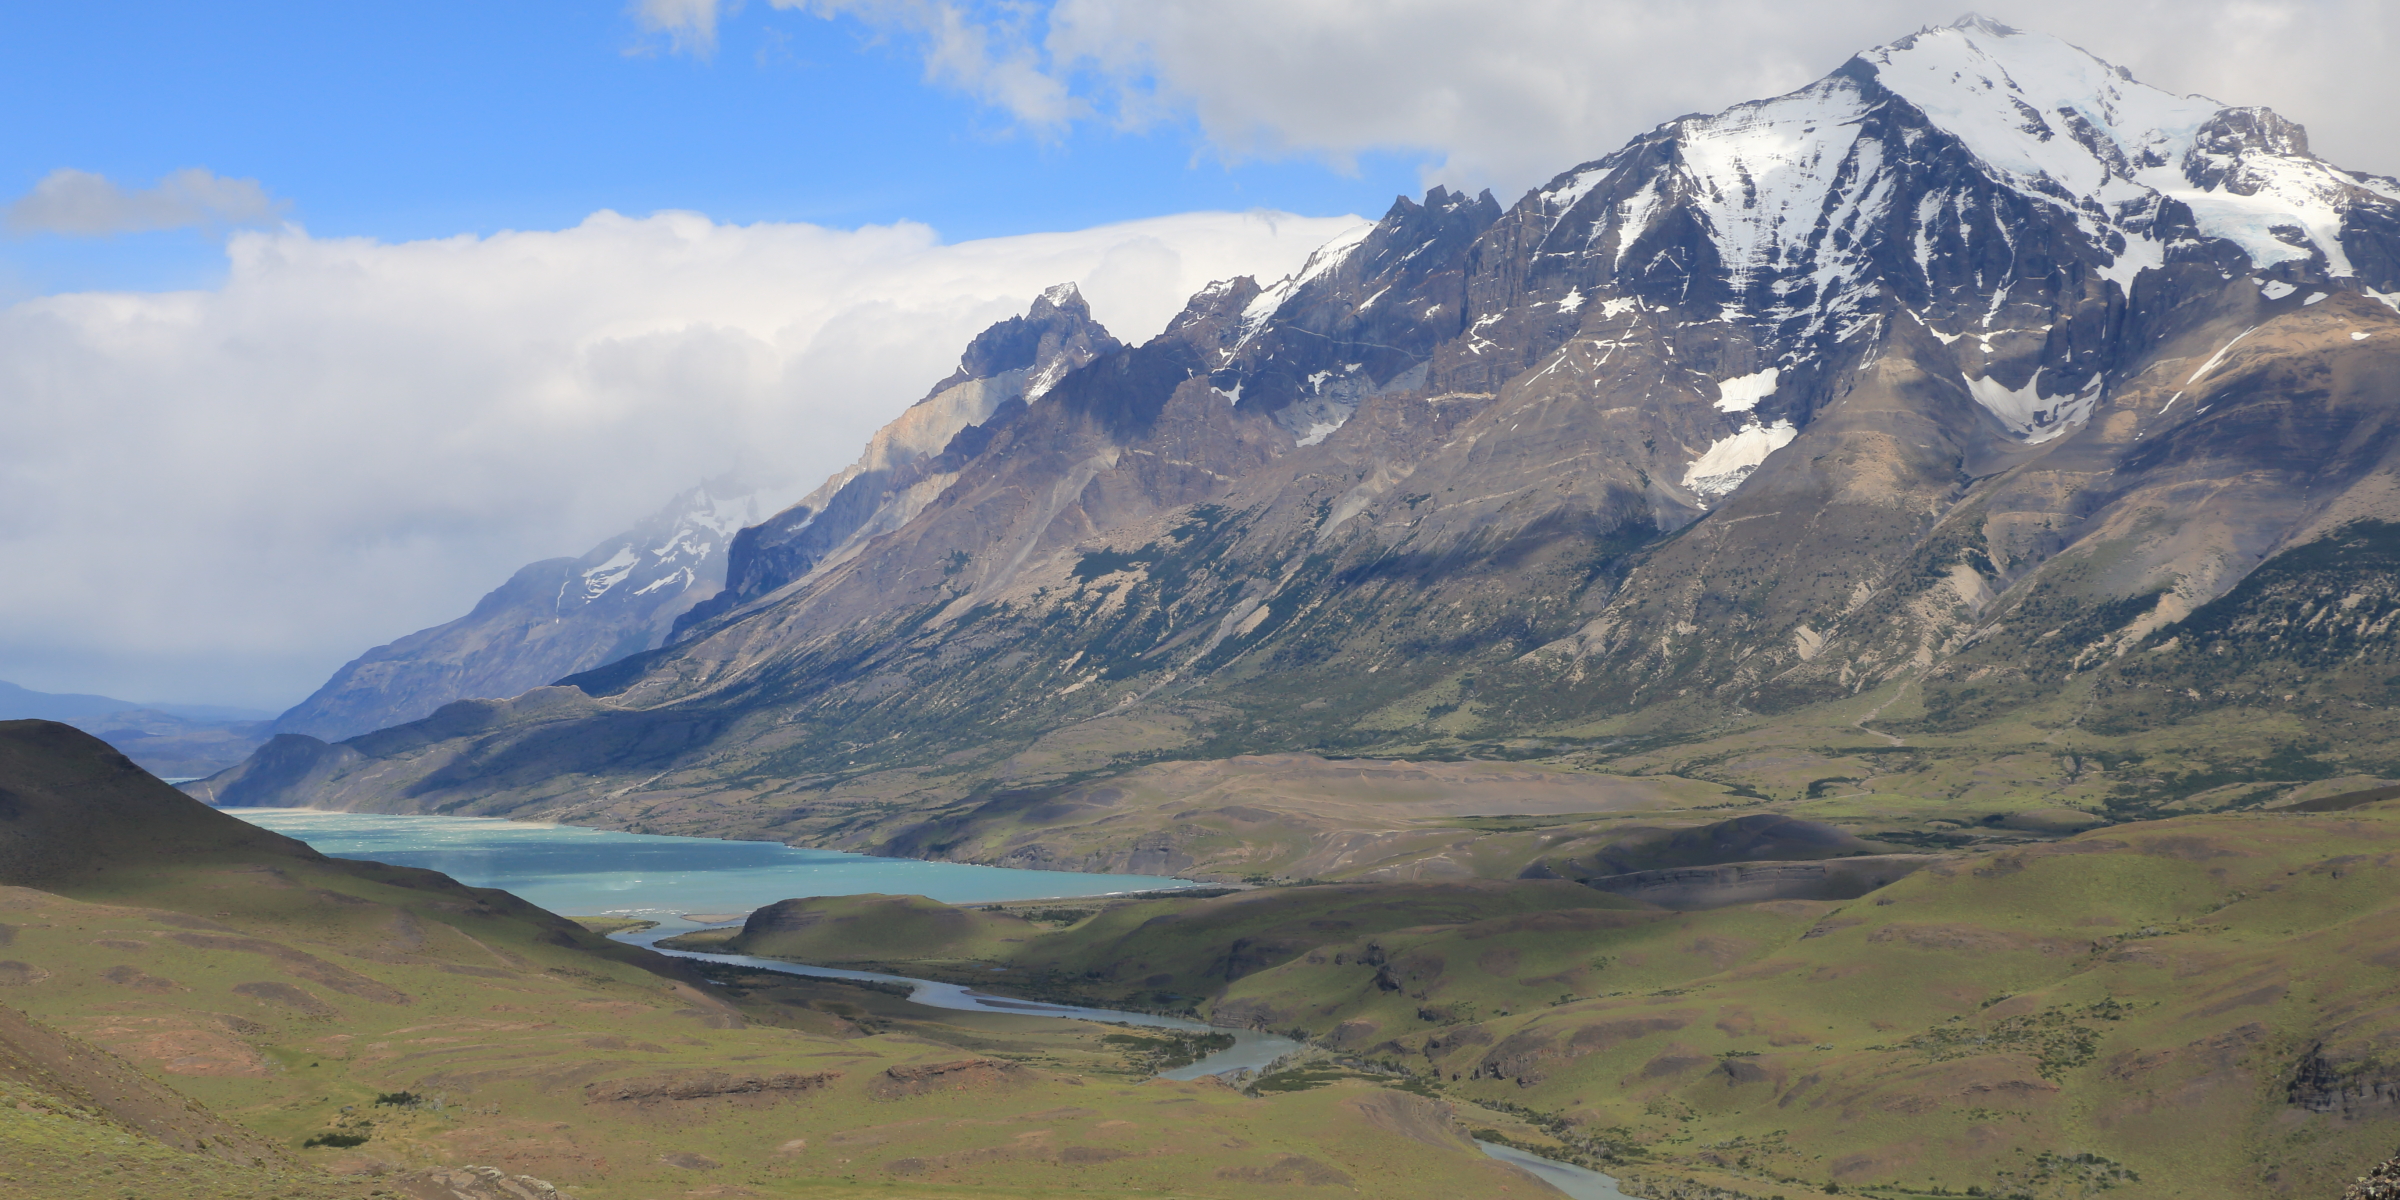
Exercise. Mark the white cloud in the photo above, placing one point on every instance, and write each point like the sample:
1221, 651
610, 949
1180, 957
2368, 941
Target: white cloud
1506, 95
989, 51
80, 202
690, 25
224, 494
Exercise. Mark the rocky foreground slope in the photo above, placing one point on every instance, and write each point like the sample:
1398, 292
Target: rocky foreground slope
2006, 427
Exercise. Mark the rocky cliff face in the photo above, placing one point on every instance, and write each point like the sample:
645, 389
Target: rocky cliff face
1976, 347
909, 462
551, 619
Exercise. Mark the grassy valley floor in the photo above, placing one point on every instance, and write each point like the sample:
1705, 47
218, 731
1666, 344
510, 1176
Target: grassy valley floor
2190, 1007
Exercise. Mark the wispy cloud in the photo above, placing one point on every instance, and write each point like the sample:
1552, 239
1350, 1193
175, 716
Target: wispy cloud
82, 203
1507, 94
690, 25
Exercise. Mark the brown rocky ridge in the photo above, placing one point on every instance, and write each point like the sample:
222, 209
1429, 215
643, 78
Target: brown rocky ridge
1837, 410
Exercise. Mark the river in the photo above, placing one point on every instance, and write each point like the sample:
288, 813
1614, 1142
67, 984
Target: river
583, 872
673, 880
1251, 1050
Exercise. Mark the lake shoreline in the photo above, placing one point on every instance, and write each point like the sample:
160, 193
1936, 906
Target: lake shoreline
1202, 879
669, 879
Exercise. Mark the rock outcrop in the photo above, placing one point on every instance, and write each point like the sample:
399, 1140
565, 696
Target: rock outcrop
2382, 1183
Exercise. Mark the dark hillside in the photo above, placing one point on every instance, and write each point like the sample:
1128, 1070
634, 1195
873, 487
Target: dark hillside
71, 807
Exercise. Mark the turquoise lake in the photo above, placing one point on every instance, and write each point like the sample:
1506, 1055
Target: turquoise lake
582, 872
597, 872
593, 872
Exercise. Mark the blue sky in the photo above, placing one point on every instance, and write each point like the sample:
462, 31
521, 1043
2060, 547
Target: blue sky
432, 119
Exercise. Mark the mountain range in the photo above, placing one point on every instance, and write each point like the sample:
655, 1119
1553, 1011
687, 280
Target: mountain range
1976, 424
551, 619
171, 740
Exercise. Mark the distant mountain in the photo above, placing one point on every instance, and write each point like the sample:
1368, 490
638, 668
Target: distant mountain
1960, 391
174, 741
19, 703
550, 620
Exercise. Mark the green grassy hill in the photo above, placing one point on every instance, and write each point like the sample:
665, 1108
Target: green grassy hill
338, 1029
2192, 1007
1161, 953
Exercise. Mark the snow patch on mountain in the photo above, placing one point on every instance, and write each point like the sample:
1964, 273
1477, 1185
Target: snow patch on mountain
1321, 261
1633, 218
1730, 459
2213, 359
1319, 432
1743, 392
663, 582
609, 574
1765, 172
2030, 415
1331, 399
1573, 189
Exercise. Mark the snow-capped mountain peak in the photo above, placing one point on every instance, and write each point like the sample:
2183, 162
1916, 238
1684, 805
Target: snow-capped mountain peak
2055, 120
1778, 179
1983, 179
680, 545
553, 618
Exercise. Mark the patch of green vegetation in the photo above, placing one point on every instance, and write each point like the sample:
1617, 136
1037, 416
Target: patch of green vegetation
1056, 916
1150, 1054
1093, 564
53, 1150
2056, 1037
1298, 1079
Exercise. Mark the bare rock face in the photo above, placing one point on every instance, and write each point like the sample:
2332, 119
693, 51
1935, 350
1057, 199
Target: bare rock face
471, 1183
1975, 364
911, 461
2382, 1183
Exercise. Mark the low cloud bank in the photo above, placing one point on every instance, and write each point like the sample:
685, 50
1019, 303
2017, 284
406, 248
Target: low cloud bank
223, 495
